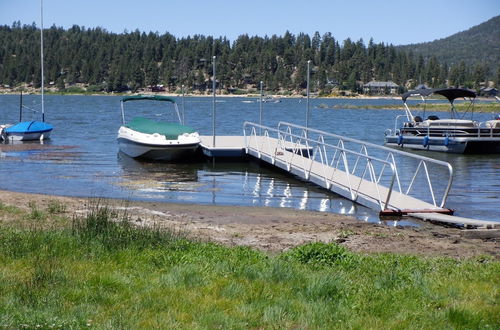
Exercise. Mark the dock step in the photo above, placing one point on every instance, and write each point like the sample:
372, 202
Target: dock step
398, 213
454, 220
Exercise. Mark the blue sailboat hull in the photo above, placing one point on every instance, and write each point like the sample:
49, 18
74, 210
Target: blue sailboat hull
28, 130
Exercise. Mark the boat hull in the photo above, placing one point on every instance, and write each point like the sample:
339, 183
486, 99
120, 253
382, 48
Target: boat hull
450, 145
157, 152
27, 131
156, 147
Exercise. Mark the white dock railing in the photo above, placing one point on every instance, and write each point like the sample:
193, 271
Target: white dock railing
373, 175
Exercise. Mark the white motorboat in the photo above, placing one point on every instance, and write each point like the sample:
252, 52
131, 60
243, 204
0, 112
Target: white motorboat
156, 140
453, 135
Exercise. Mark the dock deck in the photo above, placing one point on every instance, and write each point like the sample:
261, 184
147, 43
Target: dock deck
362, 191
360, 182
232, 146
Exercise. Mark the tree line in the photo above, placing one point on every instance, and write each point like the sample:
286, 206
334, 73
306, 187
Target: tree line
110, 62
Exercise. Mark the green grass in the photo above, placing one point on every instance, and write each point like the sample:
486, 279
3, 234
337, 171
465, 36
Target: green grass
102, 272
492, 107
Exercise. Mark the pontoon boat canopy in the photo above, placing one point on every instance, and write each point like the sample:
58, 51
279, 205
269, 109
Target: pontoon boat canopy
450, 93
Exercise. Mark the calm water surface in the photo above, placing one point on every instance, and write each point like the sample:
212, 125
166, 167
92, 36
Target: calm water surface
82, 157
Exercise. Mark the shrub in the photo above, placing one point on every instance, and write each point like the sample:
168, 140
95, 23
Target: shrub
319, 254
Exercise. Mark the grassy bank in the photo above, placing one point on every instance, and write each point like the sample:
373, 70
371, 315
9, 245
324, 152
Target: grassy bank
493, 107
101, 271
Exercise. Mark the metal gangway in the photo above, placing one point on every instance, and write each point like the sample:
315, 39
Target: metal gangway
391, 181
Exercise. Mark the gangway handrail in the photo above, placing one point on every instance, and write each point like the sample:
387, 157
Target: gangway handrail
298, 141
298, 150
390, 151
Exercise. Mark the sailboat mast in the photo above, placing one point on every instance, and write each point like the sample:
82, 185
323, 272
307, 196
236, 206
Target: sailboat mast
41, 56
21, 107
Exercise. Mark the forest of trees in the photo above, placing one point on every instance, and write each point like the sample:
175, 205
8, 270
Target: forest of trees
479, 44
110, 62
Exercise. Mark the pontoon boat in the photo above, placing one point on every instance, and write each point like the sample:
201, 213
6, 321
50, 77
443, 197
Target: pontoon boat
454, 135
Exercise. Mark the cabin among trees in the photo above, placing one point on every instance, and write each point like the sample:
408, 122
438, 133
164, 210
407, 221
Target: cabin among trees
488, 92
380, 87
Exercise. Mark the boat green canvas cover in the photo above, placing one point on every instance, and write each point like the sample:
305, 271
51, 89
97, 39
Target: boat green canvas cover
148, 97
170, 130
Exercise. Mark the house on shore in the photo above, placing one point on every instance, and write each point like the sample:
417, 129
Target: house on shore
488, 92
422, 86
380, 87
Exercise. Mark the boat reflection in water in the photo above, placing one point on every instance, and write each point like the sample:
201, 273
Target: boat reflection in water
145, 178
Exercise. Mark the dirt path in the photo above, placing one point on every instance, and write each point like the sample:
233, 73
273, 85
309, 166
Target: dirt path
277, 229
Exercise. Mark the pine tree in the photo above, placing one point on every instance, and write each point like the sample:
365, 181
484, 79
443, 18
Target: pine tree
133, 60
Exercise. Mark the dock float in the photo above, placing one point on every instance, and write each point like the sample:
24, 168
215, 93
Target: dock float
391, 181
457, 221
235, 146
224, 147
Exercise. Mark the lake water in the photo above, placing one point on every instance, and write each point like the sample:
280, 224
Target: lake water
82, 158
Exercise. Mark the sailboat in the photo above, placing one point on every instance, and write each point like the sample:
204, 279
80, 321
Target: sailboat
30, 130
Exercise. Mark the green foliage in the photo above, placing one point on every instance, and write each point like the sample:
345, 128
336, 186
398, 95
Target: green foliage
115, 232
74, 90
36, 213
56, 207
96, 88
475, 46
111, 62
8, 209
320, 254
105, 273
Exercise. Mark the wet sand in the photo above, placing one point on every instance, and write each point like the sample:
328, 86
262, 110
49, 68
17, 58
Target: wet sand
277, 229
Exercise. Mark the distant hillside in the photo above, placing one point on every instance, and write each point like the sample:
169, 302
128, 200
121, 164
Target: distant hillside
479, 44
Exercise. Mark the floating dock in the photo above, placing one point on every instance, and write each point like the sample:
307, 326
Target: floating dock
457, 221
365, 173
224, 146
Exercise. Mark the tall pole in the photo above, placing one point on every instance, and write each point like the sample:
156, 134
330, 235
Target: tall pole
182, 90
307, 102
213, 111
21, 107
260, 112
41, 55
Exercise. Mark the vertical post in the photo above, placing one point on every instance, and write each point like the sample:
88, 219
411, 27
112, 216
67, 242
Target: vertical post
183, 120
307, 102
260, 112
21, 107
213, 110
123, 112
41, 55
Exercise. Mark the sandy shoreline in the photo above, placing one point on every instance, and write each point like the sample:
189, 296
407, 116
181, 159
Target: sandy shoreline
277, 229
250, 95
